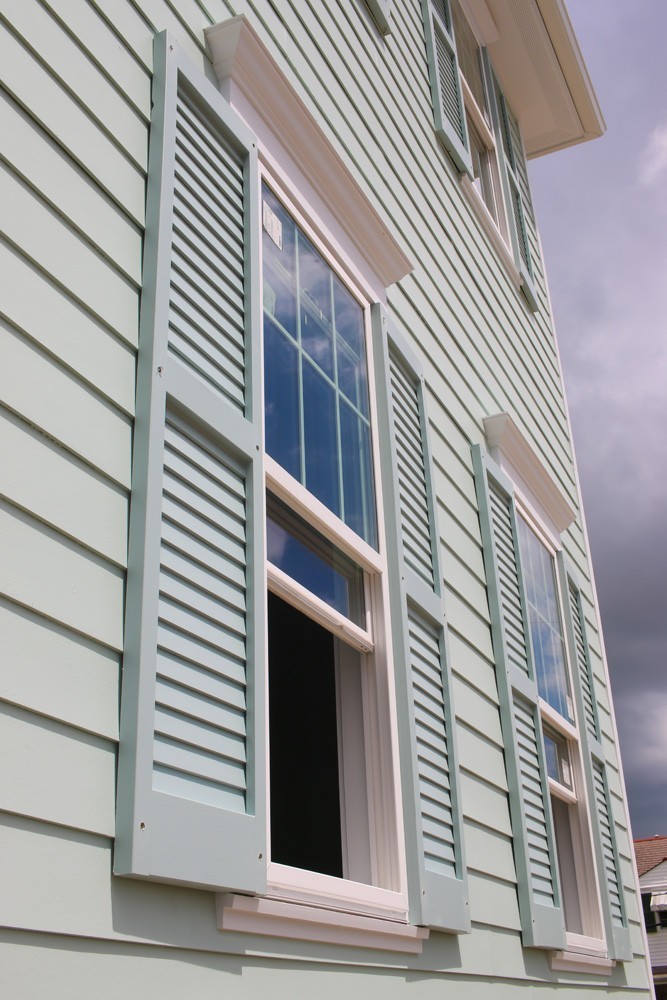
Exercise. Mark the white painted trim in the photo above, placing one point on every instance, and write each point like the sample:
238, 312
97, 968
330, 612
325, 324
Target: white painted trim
303, 922
281, 584
490, 227
244, 66
573, 961
329, 892
517, 457
290, 490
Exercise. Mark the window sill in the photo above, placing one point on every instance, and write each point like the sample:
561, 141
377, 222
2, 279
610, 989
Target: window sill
491, 229
573, 961
303, 922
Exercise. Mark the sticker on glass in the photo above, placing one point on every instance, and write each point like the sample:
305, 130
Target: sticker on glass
272, 224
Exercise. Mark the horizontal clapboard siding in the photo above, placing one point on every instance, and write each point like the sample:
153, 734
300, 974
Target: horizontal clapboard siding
482, 353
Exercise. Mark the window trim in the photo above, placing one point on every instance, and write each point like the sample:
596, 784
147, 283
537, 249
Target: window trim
589, 895
384, 786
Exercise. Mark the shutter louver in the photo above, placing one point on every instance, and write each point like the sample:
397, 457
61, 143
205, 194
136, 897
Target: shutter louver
446, 90
582, 661
532, 793
431, 745
438, 893
191, 765
206, 316
607, 841
538, 886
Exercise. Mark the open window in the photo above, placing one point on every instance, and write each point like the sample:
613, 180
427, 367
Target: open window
569, 883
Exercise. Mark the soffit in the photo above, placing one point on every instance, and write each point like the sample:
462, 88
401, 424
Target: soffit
541, 71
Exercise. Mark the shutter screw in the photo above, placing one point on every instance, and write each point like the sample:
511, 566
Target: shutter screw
259, 856
160, 369
142, 826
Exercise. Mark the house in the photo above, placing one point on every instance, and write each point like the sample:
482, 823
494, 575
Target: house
651, 858
287, 475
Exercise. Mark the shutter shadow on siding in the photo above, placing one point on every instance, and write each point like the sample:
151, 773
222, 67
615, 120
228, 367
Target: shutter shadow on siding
444, 76
432, 813
191, 783
540, 907
613, 905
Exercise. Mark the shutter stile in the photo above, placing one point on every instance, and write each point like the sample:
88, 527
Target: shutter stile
434, 849
191, 798
617, 932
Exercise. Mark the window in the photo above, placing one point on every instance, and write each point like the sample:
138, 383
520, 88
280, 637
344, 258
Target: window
560, 735
327, 679
569, 882
485, 173
480, 134
276, 655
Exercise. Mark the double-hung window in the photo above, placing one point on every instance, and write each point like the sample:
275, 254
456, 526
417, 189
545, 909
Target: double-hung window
333, 805
560, 734
279, 656
568, 871
480, 133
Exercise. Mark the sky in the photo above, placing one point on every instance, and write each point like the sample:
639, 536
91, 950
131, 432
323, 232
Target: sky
602, 213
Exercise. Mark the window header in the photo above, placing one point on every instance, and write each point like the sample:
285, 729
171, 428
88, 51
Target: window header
250, 78
517, 457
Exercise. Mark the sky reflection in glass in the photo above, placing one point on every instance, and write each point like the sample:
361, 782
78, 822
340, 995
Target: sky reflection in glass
546, 630
313, 561
315, 374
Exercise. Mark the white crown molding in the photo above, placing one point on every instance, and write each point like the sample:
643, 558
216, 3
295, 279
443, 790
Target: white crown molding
516, 456
278, 918
244, 65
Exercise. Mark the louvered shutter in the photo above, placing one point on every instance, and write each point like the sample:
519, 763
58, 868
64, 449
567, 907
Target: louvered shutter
432, 810
540, 906
444, 75
191, 784
613, 905
515, 183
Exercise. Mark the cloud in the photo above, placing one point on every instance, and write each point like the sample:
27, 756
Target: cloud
654, 158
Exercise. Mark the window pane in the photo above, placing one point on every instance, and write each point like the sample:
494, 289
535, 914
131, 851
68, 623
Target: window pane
320, 438
281, 399
546, 630
562, 814
357, 483
279, 256
558, 758
313, 561
315, 362
350, 347
315, 303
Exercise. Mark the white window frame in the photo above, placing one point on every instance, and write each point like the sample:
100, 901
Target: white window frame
593, 942
494, 220
387, 899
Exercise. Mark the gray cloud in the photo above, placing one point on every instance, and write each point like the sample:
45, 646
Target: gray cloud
602, 213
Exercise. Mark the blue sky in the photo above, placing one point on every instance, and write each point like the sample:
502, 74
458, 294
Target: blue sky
602, 212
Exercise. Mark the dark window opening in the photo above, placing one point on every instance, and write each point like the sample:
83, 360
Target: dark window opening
303, 733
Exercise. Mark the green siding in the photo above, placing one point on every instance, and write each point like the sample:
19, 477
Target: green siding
74, 116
